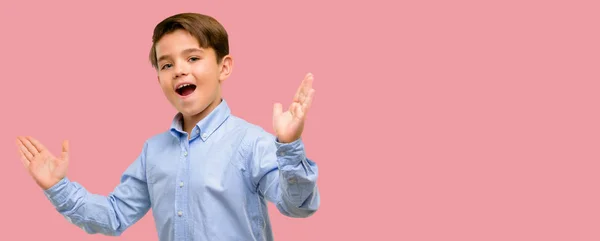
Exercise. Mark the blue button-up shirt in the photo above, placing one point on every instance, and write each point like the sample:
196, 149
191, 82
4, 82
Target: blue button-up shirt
212, 186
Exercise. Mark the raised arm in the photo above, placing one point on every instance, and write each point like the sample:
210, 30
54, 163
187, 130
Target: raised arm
109, 215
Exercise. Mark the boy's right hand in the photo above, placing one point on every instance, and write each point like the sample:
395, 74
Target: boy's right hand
45, 168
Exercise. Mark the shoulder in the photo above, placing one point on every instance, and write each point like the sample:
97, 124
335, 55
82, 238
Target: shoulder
158, 142
252, 138
251, 133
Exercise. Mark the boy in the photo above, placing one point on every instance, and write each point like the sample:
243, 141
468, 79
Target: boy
209, 176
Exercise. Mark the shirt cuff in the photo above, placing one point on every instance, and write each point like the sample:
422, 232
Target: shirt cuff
290, 153
59, 193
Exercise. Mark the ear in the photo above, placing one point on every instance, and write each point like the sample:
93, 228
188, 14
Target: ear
225, 68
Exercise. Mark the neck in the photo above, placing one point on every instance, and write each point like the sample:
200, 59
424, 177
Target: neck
190, 121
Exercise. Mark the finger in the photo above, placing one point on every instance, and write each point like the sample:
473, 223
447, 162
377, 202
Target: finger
38, 146
23, 150
24, 159
306, 87
22, 154
292, 108
65, 150
299, 91
307, 84
298, 113
27, 151
308, 102
302, 88
301, 98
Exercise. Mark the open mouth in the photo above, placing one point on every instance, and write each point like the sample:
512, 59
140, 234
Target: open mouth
186, 89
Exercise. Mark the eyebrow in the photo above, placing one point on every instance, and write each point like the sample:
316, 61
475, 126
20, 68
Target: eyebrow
187, 51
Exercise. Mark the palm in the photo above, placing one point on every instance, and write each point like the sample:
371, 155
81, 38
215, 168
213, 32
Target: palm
45, 168
48, 170
289, 125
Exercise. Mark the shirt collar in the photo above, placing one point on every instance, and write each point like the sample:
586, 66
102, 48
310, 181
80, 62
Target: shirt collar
205, 127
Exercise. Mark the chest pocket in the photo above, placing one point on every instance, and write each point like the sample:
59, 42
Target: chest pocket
220, 172
161, 175
160, 172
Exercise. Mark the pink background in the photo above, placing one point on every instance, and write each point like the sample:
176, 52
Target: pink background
436, 120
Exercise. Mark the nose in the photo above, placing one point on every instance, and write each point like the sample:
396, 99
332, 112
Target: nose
181, 69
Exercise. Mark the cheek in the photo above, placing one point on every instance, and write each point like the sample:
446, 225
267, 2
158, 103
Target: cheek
164, 85
206, 70
167, 90
207, 75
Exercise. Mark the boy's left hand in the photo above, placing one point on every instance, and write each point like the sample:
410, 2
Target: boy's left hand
289, 125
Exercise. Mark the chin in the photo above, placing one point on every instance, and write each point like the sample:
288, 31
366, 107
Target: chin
192, 110
195, 105
189, 112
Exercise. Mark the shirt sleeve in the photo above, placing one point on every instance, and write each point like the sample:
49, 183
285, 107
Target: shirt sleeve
283, 174
109, 215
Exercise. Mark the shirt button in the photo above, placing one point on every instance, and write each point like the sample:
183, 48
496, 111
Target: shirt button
204, 135
181, 184
185, 153
179, 213
281, 153
292, 180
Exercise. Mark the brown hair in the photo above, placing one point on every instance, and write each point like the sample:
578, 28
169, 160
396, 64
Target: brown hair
207, 30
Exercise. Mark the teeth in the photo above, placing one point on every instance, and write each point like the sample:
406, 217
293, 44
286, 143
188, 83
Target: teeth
183, 85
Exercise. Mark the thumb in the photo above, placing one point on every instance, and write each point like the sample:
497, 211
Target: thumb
65, 150
277, 110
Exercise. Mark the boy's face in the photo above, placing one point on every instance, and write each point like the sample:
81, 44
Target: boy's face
189, 75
